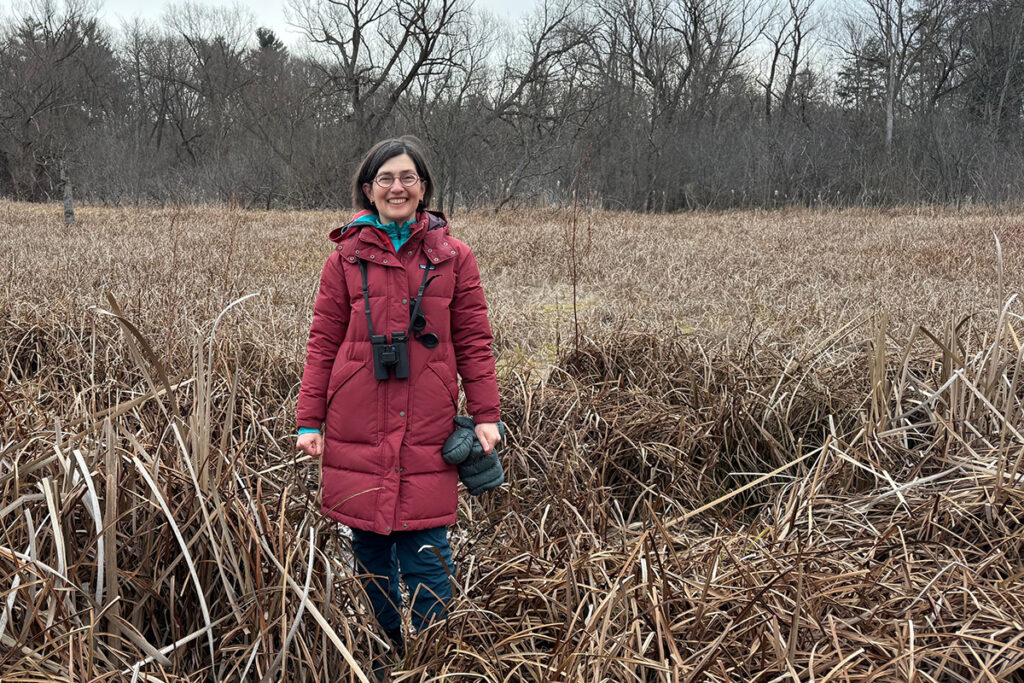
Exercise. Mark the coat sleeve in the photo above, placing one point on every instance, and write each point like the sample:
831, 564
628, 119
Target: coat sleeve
472, 338
330, 321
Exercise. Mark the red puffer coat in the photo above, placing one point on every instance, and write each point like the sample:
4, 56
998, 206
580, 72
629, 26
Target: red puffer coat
382, 466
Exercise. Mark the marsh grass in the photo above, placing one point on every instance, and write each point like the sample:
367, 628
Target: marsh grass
788, 446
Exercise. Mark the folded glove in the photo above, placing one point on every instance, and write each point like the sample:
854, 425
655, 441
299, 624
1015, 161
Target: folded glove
479, 471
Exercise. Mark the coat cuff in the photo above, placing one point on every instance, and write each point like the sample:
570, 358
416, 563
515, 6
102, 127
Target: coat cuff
487, 416
308, 430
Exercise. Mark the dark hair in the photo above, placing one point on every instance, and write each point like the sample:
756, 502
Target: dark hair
378, 155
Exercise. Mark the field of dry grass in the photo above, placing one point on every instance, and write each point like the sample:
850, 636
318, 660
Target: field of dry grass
784, 446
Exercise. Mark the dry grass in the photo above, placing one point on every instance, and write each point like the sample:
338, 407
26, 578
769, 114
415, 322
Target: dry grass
788, 447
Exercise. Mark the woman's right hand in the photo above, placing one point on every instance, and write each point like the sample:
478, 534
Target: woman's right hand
311, 443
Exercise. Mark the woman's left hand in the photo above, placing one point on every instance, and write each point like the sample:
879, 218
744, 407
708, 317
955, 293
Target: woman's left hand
488, 435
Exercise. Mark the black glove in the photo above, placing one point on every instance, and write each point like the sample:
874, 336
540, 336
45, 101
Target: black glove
479, 471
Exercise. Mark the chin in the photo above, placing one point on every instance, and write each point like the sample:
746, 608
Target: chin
392, 218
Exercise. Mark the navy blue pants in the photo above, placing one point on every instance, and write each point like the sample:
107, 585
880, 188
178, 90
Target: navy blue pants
380, 558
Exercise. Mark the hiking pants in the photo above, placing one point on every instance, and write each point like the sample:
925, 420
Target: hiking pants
378, 561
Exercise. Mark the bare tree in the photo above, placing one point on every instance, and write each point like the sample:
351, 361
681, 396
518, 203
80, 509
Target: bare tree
448, 107
216, 68
900, 28
786, 33
533, 104
57, 78
677, 64
994, 63
379, 48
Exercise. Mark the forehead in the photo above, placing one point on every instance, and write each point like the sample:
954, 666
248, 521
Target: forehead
398, 164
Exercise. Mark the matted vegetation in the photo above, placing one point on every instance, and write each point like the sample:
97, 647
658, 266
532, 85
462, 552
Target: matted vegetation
785, 446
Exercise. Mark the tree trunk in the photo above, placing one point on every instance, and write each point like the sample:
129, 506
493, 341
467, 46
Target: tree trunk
69, 208
890, 105
1010, 62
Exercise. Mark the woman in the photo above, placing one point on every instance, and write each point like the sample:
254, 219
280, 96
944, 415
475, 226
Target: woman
381, 381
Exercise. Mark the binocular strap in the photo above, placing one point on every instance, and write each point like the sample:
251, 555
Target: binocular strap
366, 296
419, 296
416, 305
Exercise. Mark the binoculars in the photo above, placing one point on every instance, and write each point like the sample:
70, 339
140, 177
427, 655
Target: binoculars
393, 355
390, 355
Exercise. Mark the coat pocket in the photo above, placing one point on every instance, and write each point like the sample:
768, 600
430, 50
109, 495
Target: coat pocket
352, 404
451, 386
435, 400
339, 375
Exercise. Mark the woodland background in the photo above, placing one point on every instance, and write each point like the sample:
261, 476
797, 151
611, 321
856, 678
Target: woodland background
650, 105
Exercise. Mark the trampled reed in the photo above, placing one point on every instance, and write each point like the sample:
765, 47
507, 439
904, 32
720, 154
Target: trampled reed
788, 446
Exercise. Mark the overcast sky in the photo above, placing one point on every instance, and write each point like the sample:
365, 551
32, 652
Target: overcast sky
270, 13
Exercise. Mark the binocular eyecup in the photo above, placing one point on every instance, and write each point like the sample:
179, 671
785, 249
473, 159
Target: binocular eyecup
418, 324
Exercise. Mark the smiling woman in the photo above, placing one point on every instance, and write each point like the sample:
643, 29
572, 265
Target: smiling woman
376, 188
399, 317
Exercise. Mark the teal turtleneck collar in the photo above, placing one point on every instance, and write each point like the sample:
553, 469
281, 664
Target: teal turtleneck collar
398, 234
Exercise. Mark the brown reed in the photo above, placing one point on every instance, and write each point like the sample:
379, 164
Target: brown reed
789, 448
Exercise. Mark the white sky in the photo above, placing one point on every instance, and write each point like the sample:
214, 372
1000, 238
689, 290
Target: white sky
269, 13
272, 14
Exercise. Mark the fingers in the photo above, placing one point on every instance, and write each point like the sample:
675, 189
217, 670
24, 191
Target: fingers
488, 436
311, 445
495, 438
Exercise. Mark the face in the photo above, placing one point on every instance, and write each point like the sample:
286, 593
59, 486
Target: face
396, 203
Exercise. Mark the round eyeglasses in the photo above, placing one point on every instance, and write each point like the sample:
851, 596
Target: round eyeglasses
386, 180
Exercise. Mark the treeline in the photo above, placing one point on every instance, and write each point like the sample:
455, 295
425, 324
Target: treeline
636, 104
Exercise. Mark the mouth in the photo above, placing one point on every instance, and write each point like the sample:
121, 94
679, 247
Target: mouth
397, 201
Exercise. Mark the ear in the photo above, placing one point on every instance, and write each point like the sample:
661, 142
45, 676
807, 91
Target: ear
368, 191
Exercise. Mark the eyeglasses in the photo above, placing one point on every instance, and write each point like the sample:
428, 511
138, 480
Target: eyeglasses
386, 180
